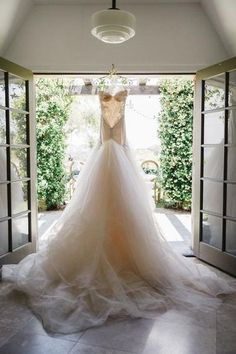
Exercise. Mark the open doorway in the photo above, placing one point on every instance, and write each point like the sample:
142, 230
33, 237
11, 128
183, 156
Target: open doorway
145, 107
213, 226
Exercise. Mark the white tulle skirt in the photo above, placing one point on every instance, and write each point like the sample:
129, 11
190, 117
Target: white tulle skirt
105, 256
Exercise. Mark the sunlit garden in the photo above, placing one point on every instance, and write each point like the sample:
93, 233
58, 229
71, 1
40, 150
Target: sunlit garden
159, 130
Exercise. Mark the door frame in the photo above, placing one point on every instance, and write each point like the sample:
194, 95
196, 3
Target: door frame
204, 251
15, 255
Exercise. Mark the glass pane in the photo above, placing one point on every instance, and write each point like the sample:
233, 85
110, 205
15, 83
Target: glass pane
213, 196
18, 163
214, 128
18, 128
3, 200
213, 162
17, 92
3, 237
231, 200
20, 231
2, 89
3, 164
215, 92
2, 126
231, 174
232, 127
232, 88
212, 230
231, 237
19, 197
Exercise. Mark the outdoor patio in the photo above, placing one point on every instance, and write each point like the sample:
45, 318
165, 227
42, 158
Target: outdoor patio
174, 225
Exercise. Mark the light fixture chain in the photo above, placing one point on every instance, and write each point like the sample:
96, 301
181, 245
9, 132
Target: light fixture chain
113, 6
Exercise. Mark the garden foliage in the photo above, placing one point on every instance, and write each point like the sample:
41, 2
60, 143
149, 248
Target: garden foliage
53, 106
175, 132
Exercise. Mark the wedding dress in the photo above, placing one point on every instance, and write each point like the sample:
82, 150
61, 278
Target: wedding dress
105, 256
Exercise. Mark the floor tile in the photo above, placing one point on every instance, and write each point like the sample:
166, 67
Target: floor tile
81, 348
174, 333
125, 335
35, 327
14, 313
13, 304
36, 344
6, 333
226, 328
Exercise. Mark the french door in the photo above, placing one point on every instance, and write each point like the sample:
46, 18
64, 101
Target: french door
17, 163
214, 167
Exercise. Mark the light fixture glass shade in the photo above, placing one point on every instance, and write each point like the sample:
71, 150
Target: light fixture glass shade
113, 26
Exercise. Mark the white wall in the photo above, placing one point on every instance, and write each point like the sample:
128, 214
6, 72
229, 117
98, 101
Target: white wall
12, 15
222, 15
169, 38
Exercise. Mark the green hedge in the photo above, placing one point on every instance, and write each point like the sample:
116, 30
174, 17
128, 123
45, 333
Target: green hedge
175, 132
53, 106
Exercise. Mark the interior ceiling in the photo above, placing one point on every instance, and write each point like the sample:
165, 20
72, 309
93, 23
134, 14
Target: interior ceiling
108, 2
220, 13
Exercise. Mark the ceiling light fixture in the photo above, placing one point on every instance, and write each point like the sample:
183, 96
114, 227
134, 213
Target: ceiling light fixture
113, 25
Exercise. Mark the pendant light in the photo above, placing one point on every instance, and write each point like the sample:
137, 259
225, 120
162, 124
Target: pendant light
113, 25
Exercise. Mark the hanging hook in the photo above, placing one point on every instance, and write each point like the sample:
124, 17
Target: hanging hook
113, 70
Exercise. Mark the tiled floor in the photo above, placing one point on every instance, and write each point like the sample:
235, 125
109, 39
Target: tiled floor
171, 333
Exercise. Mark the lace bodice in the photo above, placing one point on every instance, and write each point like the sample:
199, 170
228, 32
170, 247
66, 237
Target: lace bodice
112, 116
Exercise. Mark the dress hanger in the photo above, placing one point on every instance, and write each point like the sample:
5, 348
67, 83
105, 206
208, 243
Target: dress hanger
113, 82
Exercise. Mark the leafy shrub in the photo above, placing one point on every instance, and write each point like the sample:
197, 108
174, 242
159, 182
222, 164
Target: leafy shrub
175, 132
53, 106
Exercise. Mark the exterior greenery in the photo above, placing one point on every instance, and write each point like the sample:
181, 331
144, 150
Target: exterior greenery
53, 106
175, 132
53, 103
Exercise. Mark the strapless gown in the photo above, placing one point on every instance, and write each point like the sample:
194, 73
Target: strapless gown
105, 255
